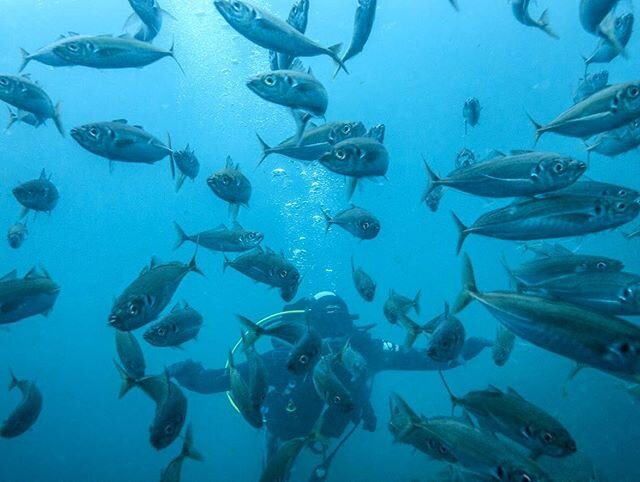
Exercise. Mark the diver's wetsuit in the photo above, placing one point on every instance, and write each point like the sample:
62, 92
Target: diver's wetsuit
292, 406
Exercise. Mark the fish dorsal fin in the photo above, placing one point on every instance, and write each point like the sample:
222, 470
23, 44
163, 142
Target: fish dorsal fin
144, 270
72, 34
495, 153
154, 262
517, 152
296, 65
26, 76
494, 389
32, 273
268, 250
141, 128
467, 418
120, 121
221, 227
512, 392
229, 163
11, 275
237, 226
176, 307
44, 272
43, 174
446, 309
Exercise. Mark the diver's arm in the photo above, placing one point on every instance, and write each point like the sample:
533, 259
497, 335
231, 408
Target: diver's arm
193, 376
386, 355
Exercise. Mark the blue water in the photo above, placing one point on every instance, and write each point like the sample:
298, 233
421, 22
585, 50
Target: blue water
420, 64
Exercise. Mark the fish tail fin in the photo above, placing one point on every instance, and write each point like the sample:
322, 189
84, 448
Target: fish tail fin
181, 179
543, 21
127, 382
254, 330
433, 180
57, 121
469, 288
167, 14
335, 55
413, 331
328, 219
26, 57
175, 59
454, 4
463, 232
225, 263
266, 149
234, 209
13, 382
182, 236
537, 126
516, 283
454, 400
172, 161
13, 117
188, 450
351, 187
416, 301
301, 125
192, 263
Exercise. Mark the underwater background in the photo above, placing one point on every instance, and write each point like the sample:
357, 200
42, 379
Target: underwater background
422, 61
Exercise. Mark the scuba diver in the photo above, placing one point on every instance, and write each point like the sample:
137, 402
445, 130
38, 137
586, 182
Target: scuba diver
292, 407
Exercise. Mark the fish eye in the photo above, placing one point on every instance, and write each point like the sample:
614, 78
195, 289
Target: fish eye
340, 154
270, 80
633, 91
628, 293
601, 265
236, 6
622, 193
443, 450
525, 478
621, 206
500, 472
168, 429
93, 132
365, 225
547, 437
346, 129
73, 47
624, 348
445, 343
337, 399
226, 180
558, 167
283, 273
161, 331
133, 309
303, 359
4, 81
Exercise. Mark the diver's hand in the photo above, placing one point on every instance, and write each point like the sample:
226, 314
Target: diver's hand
185, 370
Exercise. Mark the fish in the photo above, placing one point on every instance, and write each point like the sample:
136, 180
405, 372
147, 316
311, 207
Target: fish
265, 266
288, 292
584, 336
290, 332
357, 158
603, 189
241, 395
550, 217
592, 18
17, 234
454, 4
304, 353
295, 89
130, 355
520, 9
109, 52
480, 451
171, 413
173, 471
329, 388
410, 429
433, 194
149, 294
230, 185
223, 239
364, 283
447, 337
188, 165
353, 362
605, 52
618, 141
46, 54
355, 220
362, 26
397, 305
28, 96
270, 32
26, 413
471, 113
503, 346
181, 325
521, 174
511, 415
590, 84
23, 116
40, 195
117, 140
298, 19
615, 293
34, 294
377, 133
560, 265
258, 376
150, 14
315, 141
607, 109
280, 464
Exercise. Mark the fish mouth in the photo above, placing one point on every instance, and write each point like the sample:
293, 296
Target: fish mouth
76, 133
112, 320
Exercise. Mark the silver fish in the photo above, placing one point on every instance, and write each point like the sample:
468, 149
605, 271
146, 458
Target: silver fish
270, 32
605, 52
608, 109
21, 298
150, 14
503, 346
24, 94
362, 26
236, 239
359, 222
364, 283
471, 112
173, 471
17, 234
230, 185
130, 355
618, 141
26, 413
447, 337
520, 9
23, 116
590, 84
182, 324
46, 54
298, 18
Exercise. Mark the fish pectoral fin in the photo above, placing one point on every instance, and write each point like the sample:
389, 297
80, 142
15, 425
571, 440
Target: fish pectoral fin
9, 306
